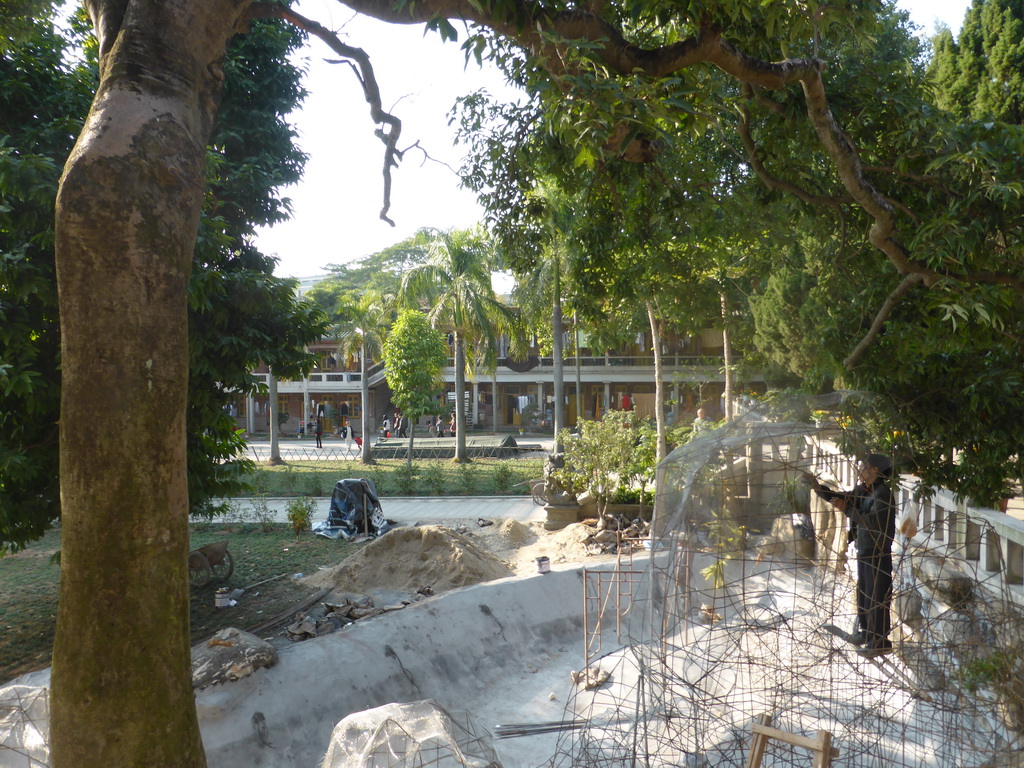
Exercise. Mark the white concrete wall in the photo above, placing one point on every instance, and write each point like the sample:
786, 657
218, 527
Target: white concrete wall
474, 648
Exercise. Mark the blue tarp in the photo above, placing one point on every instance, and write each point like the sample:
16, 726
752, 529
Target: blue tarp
355, 510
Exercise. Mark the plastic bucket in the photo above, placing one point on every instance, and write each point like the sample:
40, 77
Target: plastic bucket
543, 565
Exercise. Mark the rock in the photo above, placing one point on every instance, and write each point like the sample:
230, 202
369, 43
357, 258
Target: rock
946, 579
229, 655
590, 678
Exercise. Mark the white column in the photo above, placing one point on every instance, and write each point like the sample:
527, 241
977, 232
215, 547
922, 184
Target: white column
476, 403
250, 417
305, 400
607, 396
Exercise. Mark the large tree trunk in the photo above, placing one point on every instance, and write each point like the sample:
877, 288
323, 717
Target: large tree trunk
126, 220
558, 369
659, 382
460, 389
272, 410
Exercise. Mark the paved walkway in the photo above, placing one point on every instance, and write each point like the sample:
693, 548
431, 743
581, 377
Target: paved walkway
413, 509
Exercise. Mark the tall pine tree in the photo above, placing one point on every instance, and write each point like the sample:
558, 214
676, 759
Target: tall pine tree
980, 75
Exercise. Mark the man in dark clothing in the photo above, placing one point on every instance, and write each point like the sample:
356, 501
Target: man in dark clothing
318, 430
872, 514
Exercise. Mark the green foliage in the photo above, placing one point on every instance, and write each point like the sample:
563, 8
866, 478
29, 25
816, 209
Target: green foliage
239, 313
315, 484
617, 450
406, 480
414, 356
728, 540
261, 514
379, 273
300, 514
624, 495
980, 75
434, 479
503, 478
466, 479
43, 99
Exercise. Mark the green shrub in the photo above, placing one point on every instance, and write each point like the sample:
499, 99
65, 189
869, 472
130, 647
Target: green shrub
260, 513
433, 479
314, 484
465, 478
300, 514
259, 481
288, 479
379, 479
633, 496
503, 477
404, 478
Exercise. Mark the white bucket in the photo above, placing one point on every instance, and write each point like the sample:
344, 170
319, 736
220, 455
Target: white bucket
543, 565
221, 599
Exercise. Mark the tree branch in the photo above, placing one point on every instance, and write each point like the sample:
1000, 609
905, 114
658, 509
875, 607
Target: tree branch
392, 126
772, 182
545, 33
884, 311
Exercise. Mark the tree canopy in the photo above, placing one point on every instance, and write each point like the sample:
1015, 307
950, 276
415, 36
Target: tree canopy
415, 354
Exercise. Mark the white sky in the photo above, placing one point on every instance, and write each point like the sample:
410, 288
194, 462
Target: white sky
338, 201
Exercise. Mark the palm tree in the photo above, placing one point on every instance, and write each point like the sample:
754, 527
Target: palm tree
537, 293
540, 290
455, 285
361, 332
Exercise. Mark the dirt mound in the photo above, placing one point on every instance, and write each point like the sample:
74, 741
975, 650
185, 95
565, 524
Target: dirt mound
410, 558
570, 543
514, 532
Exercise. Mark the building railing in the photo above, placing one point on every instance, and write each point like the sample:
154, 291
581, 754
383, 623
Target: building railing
670, 362
633, 361
989, 544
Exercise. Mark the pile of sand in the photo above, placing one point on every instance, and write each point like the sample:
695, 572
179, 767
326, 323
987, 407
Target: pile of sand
514, 533
410, 558
570, 543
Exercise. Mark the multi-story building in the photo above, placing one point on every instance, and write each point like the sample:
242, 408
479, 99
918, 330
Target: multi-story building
519, 394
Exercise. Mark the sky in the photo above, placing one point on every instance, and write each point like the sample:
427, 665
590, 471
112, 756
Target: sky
337, 204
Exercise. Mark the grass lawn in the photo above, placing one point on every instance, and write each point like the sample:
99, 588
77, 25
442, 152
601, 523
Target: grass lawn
29, 585
429, 477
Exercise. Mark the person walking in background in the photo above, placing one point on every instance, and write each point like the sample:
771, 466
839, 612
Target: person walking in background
452, 424
702, 422
385, 427
318, 431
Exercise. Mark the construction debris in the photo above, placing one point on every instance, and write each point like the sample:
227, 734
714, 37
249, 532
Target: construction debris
590, 678
229, 655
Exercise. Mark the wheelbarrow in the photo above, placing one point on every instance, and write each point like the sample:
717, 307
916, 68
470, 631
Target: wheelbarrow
212, 561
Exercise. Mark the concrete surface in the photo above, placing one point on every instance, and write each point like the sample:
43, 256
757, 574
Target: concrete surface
499, 650
409, 510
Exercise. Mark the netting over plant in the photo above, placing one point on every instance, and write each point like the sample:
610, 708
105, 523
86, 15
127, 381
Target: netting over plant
421, 734
747, 565
24, 726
